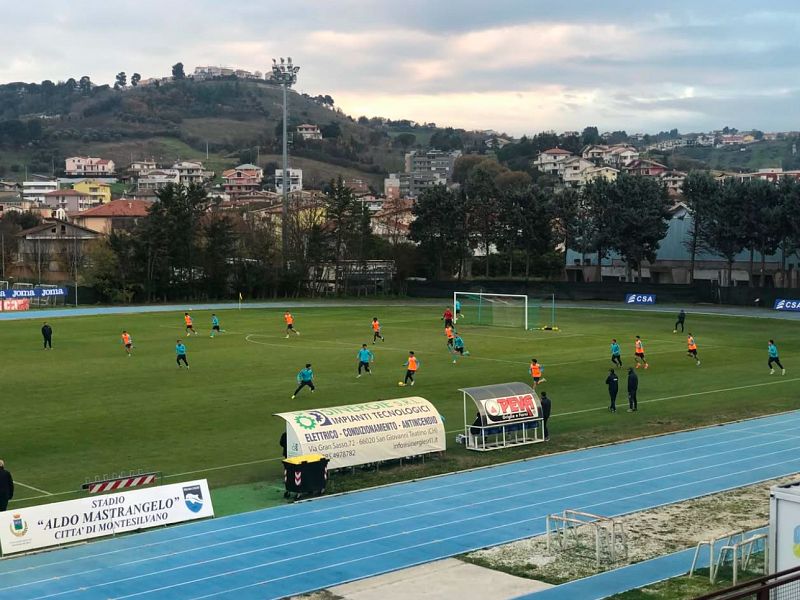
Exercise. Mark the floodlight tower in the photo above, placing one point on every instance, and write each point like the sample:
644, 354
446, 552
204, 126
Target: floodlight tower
285, 74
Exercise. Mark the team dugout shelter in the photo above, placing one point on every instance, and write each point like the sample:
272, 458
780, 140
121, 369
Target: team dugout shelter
506, 414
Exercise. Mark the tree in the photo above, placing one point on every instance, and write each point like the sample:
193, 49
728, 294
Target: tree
331, 130
177, 71
121, 80
438, 215
724, 231
482, 206
596, 215
640, 220
218, 252
590, 136
135, 79
85, 84
404, 141
699, 191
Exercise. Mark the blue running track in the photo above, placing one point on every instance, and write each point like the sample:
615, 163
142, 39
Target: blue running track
296, 548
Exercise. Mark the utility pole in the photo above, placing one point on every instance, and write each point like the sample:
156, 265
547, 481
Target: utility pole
285, 74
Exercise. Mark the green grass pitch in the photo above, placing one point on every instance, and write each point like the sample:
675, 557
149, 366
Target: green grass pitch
85, 409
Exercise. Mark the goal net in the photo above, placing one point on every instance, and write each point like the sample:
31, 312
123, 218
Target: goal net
505, 310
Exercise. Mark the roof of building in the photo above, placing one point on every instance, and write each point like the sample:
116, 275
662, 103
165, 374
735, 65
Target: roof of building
118, 208
248, 167
47, 224
556, 151
74, 193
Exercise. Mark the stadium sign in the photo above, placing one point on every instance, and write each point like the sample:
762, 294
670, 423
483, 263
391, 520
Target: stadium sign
357, 434
509, 409
35, 527
17, 304
640, 299
32, 293
783, 304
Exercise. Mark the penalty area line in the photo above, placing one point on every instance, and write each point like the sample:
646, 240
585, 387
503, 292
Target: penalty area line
30, 487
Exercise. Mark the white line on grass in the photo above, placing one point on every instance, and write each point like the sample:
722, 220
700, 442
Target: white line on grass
30, 487
730, 389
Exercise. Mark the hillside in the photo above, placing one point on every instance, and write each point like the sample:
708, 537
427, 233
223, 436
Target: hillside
233, 119
751, 157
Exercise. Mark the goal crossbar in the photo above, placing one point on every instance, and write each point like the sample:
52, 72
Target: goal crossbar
490, 300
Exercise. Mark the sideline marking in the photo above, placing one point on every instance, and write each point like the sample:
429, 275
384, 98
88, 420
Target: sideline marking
30, 487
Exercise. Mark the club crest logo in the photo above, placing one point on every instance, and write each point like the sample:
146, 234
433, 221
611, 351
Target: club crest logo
19, 526
193, 497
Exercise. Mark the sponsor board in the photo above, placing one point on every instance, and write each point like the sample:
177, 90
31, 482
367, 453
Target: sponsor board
18, 304
35, 527
364, 433
786, 304
32, 293
508, 409
640, 299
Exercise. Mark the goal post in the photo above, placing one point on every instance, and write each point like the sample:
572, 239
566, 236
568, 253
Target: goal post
505, 310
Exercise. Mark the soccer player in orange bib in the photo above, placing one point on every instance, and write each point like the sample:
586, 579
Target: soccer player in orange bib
187, 320
536, 372
127, 342
411, 365
448, 331
289, 320
376, 330
692, 348
638, 353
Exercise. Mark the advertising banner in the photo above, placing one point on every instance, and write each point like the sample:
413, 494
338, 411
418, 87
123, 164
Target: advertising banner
19, 304
32, 293
640, 299
364, 433
25, 529
508, 409
785, 304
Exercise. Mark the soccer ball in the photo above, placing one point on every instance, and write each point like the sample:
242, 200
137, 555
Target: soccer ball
400, 383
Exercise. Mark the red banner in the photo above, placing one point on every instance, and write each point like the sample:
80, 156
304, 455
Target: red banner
18, 304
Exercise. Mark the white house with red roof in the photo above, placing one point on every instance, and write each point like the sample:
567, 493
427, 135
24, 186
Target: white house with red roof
88, 166
551, 161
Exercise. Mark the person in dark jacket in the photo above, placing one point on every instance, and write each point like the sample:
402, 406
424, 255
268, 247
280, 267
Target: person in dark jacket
633, 387
47, 335
612, 381
545, 415
283, 443
680, 321
6, 486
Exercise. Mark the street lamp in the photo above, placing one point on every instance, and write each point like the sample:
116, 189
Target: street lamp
285, 74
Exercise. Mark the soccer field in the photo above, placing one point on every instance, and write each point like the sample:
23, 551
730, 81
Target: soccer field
85, 409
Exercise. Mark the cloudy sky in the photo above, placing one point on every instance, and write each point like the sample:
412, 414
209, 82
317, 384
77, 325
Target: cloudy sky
519, 66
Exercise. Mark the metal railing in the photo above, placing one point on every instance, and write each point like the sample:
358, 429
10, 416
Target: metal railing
783, 585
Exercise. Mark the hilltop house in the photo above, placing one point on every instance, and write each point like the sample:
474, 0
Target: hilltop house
551, 161
244, 179
309, 132
88, 166
69, 201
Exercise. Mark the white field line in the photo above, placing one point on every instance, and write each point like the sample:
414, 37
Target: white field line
35, 489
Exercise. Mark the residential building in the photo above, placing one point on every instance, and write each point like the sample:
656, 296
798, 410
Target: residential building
359, 187
101, 192
70, 201
774, 175
8, 186
295, 180
393, 221
621, 156
497, 142
596, 153
156, 180
211, 72
551, 161
47, 252
396, 186
432, 161
117, 215
142, 167
705, 140
88, 166
190, 172
673, 181
13, 202
731, 140
309, 132
572, 170
648, 168
244, 179
604, 172
35, 191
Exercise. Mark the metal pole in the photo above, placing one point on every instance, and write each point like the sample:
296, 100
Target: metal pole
76, 270
285, 182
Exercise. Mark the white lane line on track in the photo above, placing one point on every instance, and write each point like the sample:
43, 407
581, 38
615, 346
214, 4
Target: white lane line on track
404, 533
415, 516
534, 465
